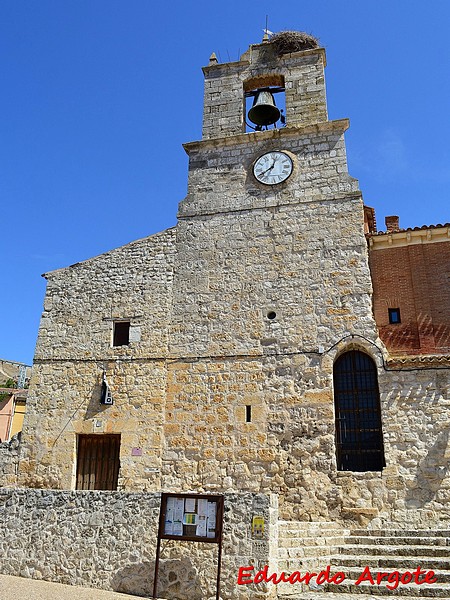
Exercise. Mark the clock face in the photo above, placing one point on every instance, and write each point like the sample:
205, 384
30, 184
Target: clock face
273, 168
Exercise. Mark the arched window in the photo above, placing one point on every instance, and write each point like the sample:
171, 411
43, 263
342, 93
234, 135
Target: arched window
359, 438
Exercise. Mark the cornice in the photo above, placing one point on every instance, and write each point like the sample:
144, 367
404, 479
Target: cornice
222, 66
424, 361
189, 214
339, 125
408, 237
247, 59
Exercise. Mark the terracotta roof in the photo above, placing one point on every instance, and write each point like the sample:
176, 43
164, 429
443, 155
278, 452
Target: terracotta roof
422, 228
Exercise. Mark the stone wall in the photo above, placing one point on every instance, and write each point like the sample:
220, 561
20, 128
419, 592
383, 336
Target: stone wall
73, 350
108, 540
199, 438
68, 404
289, 447
82, 301
416, 427
9, 461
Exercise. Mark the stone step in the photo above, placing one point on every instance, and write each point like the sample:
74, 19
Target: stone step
394, 540
310, 548
401, 532
348, 591
309, 595
303, 533
425, 551
303, 563
319, 552
404, 563
307, 525
402, 557
299, 542
434, 590
354, 572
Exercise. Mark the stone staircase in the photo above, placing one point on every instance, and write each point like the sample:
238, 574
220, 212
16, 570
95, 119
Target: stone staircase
304, 547
313, 546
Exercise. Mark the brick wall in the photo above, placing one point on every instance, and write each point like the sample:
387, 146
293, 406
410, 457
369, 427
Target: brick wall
413, 277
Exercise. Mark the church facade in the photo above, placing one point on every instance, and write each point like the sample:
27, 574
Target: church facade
272, 342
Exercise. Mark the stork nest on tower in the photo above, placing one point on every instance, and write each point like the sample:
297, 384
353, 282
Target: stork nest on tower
286, 42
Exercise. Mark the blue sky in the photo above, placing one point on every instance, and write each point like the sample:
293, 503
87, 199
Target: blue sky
97, 97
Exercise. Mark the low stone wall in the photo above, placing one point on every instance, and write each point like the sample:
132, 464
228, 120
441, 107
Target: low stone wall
9, 461
108, 540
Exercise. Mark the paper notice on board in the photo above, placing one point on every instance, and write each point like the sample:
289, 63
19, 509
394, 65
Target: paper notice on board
168, 527
211, 524
201, 526
177, 528
178, 510
189, 505
211, 514
168, 521
190, 519
202, 507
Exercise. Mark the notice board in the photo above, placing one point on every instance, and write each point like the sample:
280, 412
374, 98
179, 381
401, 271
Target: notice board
190, 518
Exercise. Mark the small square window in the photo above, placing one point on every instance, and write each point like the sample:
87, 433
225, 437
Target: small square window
394, 315
121, 333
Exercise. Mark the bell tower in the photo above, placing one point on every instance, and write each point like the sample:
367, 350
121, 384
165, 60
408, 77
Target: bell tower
271, 273
272, 223
300, 74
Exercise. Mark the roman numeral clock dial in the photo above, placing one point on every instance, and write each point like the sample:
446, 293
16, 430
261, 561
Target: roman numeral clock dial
272, 168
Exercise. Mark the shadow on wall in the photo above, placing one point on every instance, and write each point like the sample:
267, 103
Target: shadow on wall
95, 408
431, 471
177, 579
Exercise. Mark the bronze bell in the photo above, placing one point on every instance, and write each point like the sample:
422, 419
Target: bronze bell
264, 110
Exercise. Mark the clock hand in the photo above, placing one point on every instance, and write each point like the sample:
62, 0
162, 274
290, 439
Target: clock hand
269, 169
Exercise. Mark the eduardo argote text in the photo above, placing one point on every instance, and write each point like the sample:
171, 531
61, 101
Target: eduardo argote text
249, 575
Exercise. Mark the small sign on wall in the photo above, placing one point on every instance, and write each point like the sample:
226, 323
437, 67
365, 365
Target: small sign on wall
258, 527
136, 451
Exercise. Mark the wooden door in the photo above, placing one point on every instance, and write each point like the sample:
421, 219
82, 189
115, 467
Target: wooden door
98, 462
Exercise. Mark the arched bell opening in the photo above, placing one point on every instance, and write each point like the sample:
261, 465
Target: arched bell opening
359, 436
265, 103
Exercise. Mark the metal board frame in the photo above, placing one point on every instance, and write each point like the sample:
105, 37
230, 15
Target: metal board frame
187, 537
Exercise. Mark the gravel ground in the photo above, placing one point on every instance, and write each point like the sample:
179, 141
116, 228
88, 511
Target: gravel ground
20, 588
